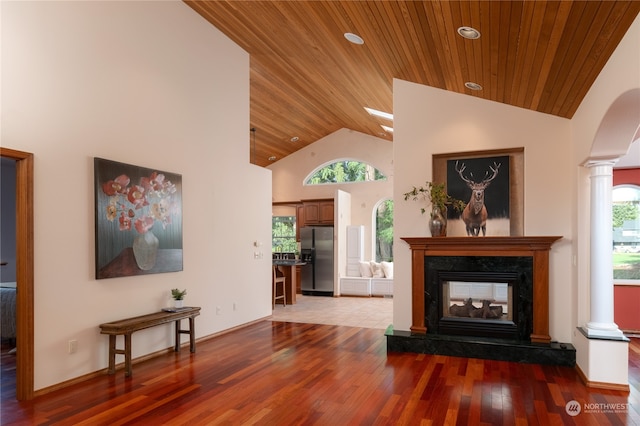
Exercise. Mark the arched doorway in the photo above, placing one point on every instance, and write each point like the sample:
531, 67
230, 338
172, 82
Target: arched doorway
619, 127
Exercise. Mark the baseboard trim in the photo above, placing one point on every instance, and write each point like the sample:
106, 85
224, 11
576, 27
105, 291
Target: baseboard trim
139, 359
228, 330
601, 385
67, 383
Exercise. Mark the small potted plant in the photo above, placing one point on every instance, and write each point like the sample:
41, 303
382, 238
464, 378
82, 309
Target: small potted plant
178, 297
436, 195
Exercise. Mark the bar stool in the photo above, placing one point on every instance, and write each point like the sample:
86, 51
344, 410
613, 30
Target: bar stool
278, 280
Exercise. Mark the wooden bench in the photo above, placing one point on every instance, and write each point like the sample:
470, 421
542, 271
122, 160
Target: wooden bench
127, 326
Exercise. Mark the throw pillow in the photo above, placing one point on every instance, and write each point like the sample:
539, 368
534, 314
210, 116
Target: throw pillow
365, 270
376, 269
387, 268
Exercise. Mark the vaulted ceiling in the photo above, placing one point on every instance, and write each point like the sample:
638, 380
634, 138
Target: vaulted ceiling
308, 81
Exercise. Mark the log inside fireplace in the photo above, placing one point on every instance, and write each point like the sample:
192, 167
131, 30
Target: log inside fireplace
478, 303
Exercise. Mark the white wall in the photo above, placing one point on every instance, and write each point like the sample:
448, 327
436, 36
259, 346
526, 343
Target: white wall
145, 83
290, 173
431, 121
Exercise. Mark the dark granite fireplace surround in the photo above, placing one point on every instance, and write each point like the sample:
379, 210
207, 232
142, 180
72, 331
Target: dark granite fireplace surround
521, 261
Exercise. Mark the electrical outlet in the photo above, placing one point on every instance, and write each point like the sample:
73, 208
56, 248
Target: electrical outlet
234, 306
217, 310
73, 346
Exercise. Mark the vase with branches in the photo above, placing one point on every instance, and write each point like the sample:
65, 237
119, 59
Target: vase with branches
435, 194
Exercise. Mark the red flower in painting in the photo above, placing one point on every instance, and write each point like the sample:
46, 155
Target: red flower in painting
153, 182
136, 196
116, 186
125, 223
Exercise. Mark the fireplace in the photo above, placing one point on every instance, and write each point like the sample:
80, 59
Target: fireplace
479, 296
485, 297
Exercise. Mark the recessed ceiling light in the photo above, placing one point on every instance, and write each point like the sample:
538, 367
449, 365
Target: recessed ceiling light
295, 139
468, 32
354, 38
387, 129
473, 86
378, 113
272, 158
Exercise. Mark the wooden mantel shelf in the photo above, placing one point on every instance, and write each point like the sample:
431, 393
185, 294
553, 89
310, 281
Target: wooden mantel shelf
483, 244
536, 247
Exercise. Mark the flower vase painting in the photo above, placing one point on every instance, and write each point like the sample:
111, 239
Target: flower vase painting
138, 220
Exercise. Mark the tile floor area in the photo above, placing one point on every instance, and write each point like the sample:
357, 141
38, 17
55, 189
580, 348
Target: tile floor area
365, 312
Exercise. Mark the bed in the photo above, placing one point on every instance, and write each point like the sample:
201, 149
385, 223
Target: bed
8, 310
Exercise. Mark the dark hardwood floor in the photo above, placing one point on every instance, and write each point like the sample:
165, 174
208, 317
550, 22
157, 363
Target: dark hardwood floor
278, 373
7, 372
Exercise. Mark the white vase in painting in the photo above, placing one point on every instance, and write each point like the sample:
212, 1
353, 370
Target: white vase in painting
145, 250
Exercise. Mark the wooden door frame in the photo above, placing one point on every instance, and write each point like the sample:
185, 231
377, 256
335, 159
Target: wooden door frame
24, 272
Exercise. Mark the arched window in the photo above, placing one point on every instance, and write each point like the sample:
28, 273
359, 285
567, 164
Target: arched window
344, 171
384, 231
626, 232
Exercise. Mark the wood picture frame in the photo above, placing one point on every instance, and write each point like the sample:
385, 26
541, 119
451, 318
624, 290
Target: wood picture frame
505, 206
138, 220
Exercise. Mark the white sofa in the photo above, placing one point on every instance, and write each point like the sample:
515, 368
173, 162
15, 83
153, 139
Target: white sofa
376, 279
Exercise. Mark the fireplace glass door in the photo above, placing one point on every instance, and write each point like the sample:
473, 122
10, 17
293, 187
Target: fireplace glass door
478, 304
477, 300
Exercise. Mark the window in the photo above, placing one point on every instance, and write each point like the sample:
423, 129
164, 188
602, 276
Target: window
626, 232
283, 234
343, 172
384, 231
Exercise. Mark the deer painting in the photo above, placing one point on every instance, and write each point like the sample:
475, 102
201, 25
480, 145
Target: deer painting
475, 213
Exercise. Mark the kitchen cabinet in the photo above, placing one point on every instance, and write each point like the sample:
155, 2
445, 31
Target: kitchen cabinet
326, 212
311, 212
318, 212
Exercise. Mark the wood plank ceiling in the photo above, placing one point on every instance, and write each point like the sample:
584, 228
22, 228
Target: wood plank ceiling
308, 81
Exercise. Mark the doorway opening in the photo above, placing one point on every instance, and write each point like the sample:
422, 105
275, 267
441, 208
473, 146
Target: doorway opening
24, 272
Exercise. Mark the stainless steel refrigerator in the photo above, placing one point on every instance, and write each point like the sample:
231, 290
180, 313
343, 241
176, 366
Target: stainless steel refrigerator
316, 248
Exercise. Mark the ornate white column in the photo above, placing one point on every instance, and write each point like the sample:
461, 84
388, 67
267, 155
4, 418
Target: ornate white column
601, 286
